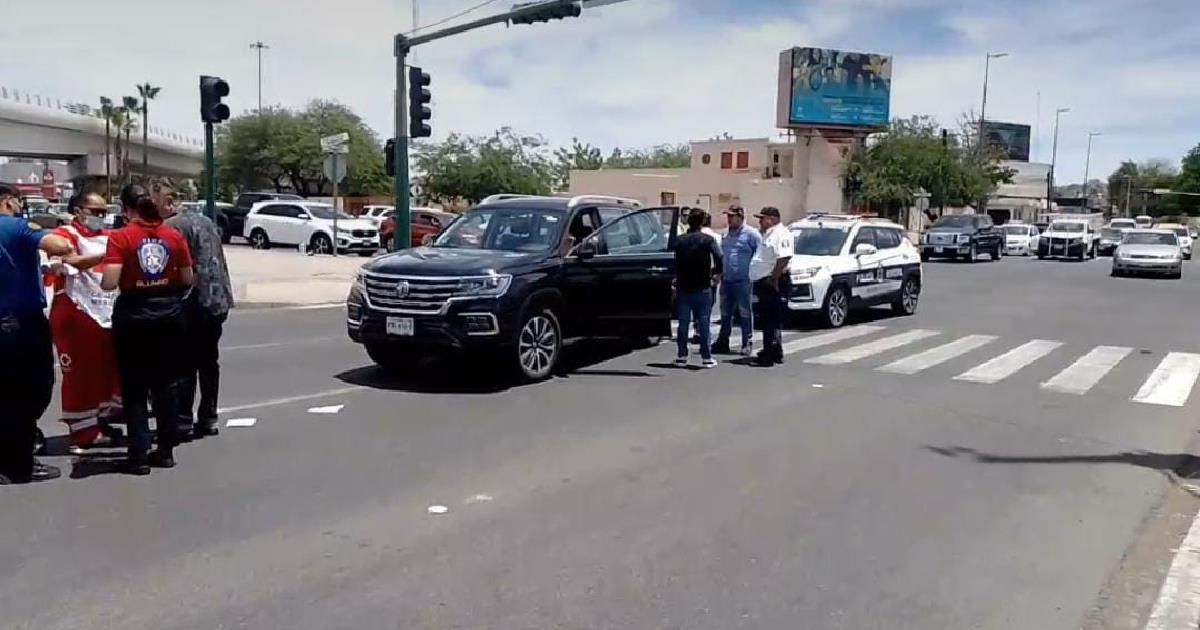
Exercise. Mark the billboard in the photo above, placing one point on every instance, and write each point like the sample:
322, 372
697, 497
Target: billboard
823, 87
1010, 138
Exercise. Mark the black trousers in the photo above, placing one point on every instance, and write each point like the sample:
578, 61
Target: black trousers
26, 385
204, 336
770, 316
151, 357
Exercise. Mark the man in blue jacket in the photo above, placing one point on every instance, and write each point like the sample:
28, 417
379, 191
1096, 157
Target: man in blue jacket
737, 247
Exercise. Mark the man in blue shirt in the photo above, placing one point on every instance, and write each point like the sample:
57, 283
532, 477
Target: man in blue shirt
27, 368
738, 248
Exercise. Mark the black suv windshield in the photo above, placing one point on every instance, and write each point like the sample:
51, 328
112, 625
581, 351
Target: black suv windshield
818, 241
504, 229
958, 221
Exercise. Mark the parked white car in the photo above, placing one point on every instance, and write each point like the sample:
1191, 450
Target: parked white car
309, 224
1185, 237
376, 214
1020, 239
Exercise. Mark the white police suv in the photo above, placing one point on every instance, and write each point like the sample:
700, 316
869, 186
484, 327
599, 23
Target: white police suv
846, 262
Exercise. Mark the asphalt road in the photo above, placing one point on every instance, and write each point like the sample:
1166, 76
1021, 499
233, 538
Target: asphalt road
825, 493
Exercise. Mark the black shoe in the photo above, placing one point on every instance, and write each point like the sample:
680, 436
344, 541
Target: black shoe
137, 464
768, 360
184, 436
45, 472
202, 430
160, 459
721, 347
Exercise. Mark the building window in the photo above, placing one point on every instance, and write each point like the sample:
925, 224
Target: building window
743, 159
666, 198
727, 160
706, 159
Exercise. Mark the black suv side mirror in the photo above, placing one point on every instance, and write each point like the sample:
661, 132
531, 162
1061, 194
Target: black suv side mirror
586, 249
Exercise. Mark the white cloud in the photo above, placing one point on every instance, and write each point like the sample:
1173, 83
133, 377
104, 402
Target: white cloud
637, 73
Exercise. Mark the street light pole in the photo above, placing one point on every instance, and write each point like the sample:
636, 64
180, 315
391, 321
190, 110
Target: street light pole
987, 64
1053, 159
1087, 166
259, 46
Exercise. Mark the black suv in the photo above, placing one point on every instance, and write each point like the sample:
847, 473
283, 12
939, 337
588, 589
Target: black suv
962, 236
514, 277
236, 216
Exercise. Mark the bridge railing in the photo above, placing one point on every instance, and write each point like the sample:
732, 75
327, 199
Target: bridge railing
83, 109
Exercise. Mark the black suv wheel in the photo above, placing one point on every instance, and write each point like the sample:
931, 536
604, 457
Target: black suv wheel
388, 359
539, 344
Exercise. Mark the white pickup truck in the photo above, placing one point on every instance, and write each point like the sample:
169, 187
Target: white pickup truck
1076, 237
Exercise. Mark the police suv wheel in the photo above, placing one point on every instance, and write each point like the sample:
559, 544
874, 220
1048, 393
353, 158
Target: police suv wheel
837, 307
539, 345
910, 293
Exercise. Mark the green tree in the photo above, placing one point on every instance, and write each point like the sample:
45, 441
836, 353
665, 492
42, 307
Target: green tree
579, 156
280, 149
1189, 182
148, 93
661, 156
889, 170
470, 168
1139, 179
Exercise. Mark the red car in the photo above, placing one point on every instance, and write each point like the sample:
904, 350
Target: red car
424, 223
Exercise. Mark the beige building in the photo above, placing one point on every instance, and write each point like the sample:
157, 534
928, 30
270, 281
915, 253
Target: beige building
798, 177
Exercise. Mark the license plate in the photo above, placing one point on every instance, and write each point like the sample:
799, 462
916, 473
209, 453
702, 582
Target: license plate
937, 250
400, 326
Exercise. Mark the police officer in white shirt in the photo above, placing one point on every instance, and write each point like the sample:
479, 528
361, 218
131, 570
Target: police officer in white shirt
769, 273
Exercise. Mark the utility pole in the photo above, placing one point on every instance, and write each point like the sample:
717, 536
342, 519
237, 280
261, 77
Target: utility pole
1053, 160
260, 47
983, 106
403, 46
1128, 196
1087, 166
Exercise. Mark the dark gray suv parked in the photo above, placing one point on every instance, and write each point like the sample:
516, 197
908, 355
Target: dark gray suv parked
962, 236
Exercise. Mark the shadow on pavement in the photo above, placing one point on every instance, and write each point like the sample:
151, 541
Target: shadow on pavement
466, 375
1177, 465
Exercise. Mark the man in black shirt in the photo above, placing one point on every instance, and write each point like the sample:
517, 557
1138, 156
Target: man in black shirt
697, 265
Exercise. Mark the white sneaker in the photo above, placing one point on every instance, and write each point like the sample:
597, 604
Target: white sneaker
681, 362
708, 364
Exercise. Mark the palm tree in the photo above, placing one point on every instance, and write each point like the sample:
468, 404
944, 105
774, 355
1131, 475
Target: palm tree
131, 105
106, 111
148, 93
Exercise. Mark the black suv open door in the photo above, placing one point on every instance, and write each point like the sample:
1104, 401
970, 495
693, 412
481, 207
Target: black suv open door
619, 279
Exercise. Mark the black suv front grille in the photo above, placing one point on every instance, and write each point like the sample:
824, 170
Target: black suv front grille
409, 294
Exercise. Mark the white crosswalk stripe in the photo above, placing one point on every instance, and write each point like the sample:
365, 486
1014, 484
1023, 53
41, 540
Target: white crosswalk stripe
865, 350
1009, 363
1084, 373
936, 356
1171, 382
825, 339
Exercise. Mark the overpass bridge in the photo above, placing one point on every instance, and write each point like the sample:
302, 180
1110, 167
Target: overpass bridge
34, 126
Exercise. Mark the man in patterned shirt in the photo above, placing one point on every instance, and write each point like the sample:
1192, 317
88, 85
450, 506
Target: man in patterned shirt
207, 308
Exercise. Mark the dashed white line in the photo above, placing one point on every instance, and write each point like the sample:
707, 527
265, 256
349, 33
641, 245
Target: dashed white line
1084, 373
824, 339
1171, 382
272, 402
1009, 363
328, 410
936, 356
240, 422
865, 350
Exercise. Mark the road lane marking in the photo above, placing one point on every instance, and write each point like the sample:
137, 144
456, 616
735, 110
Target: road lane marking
291, 399
824, 339
1009, 363
276, 344
936, 356
437, 509
240, 422
1171, 382
865, 350
1084, 373
1178, 604
329, 410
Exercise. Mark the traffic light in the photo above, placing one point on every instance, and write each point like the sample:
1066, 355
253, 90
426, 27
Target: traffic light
212, 90
389, 157
418, 103
555, 10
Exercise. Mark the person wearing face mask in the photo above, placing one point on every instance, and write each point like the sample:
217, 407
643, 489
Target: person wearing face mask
81, 323
27, 365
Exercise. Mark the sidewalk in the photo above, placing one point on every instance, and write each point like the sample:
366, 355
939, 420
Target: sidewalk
285, 277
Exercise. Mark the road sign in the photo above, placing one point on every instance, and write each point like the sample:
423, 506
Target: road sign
338, 143
335, 167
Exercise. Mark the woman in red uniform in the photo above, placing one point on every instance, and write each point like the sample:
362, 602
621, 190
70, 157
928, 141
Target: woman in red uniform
152, 266
81, 322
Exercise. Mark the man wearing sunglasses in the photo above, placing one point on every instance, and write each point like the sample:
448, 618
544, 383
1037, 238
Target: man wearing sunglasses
27, 368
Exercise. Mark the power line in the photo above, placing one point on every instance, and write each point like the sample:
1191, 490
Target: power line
452, 17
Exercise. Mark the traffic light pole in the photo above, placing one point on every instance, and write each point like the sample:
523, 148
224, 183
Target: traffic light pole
210, 182
542, 11
402, 214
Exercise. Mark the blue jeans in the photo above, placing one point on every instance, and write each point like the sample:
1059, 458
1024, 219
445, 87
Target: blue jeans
696, 304
735, 302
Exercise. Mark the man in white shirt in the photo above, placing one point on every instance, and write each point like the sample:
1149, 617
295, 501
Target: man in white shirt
769, 273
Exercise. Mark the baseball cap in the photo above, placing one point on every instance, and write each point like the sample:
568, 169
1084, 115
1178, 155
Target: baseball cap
768, 212
736, 209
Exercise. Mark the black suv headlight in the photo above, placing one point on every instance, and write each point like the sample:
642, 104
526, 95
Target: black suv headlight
483, 286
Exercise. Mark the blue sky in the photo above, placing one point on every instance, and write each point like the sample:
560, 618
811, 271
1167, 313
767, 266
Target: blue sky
645, 71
